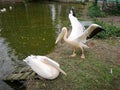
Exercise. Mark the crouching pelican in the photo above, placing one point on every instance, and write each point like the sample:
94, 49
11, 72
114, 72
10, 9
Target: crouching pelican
78, 36
44, 66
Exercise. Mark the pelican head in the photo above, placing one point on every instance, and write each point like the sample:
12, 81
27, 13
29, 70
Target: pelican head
61, 35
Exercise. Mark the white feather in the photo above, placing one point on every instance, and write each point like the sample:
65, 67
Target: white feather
43, 66
77, 27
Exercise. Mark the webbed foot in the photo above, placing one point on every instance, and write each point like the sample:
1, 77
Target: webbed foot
73, 55
82, 56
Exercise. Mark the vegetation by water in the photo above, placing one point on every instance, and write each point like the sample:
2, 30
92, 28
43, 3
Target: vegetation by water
101, 10
94, 11
110, 30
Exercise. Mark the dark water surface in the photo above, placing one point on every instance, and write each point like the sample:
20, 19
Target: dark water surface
29, 29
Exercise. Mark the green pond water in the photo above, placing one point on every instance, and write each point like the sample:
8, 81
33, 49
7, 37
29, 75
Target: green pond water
30, 28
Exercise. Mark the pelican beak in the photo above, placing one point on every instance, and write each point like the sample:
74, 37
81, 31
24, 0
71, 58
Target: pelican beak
61, 71
60, 37
47, 61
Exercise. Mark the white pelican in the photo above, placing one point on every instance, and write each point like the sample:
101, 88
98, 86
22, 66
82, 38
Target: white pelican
3, 10
78, 36
44, 66
10, 8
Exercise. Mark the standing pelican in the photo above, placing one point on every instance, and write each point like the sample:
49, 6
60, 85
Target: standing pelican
78, 36
44, 66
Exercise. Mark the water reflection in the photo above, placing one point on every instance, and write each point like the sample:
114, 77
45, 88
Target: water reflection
4, 86
6, 55
8, 62
53, 11
59, 18
56, 18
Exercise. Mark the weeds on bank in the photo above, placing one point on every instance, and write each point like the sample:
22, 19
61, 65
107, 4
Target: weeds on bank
110, 30
95, 11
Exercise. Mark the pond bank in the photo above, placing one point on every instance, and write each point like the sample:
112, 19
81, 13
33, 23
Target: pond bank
66, 1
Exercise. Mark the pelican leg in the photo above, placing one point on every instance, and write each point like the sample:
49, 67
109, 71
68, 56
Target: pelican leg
82, 56
73, 54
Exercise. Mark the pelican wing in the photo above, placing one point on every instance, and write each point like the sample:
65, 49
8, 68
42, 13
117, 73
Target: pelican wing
89, 33
77, 27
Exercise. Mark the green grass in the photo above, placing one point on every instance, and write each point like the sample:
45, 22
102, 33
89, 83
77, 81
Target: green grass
91, 74
87, 75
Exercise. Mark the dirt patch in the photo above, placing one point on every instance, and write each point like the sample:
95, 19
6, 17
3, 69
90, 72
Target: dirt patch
108, 50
